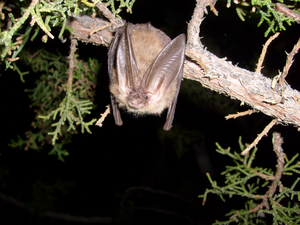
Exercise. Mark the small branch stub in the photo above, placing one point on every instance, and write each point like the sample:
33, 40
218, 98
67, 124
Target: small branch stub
103, 116
263, 133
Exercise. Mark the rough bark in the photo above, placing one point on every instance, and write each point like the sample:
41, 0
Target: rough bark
212, 72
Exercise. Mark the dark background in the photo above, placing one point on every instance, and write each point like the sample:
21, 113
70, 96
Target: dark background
138, 173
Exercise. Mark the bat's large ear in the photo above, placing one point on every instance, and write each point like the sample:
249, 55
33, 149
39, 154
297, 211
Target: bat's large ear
112, 72
126, 65
166, 69
112, 52
122, 66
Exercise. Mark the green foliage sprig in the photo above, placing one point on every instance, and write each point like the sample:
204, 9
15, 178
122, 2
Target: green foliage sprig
70, 110
117, 8
44, 15
245, 180
55, 108
268, 13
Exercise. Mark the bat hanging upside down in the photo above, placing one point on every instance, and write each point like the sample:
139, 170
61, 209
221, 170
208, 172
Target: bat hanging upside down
145, 69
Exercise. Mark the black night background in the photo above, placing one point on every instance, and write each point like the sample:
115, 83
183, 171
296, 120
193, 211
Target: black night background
138, 173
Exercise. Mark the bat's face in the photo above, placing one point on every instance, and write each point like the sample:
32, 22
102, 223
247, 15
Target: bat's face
137, 99
145, 69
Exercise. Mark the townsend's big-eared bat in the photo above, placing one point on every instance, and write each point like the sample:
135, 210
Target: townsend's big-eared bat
145, 70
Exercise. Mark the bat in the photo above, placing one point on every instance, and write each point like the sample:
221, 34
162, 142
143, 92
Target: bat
145, 69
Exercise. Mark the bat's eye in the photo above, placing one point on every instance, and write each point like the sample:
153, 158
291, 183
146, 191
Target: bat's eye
146, 97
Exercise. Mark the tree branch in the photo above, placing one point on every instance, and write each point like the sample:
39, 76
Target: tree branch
287, 12
264, 51
116, 22
246, 86
84, 27
259, 137
72, 59
289, 60
277, 147
238, 114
